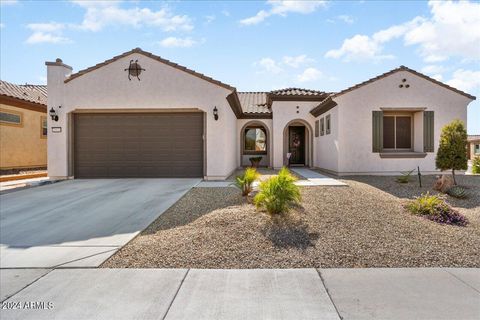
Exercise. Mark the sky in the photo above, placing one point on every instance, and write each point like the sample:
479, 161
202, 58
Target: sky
253, 45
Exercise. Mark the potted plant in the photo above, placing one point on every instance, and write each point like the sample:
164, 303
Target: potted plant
255, 161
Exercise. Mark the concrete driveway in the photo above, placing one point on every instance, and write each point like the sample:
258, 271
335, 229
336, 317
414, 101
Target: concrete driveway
80, 223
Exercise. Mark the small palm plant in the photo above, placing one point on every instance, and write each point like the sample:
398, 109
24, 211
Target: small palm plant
245, 181
278, 193
476, 165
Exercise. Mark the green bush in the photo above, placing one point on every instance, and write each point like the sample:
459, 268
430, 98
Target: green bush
436, 209
245, 181
476, 165
278, 193
451, 153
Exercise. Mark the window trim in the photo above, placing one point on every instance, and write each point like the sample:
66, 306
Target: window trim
14, 112
476, 146
328, 124
412, 137
254, 152
322, 126
43, 118
317, 128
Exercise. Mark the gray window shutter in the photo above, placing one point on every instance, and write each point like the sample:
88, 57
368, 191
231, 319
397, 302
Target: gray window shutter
377, 133
428, 140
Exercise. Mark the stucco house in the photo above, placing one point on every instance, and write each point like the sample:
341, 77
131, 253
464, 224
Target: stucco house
23, 126
139, 115
473, 147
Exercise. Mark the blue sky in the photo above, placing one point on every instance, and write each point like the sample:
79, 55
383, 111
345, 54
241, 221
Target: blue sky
253, 46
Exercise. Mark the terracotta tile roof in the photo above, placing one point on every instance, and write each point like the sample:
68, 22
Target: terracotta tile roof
28, 92
254, 102
403, 68
296, 92
473, 137
155, 57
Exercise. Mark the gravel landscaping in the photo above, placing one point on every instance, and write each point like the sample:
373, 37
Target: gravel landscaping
337, 227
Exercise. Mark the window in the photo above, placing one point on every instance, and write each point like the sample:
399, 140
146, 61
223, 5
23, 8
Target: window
317, 129
327, 120
397, 132
9, 117
322, 126
255, 140
43, 127
476, 149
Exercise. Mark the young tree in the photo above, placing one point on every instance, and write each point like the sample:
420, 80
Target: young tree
451, 152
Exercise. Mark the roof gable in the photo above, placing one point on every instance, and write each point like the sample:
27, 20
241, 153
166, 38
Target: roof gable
403, 68
154, 57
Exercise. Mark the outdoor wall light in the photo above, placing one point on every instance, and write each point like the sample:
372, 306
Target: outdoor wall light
53, 114
215, 113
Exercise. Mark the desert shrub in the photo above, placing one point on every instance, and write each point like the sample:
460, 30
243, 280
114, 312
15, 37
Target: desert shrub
278, 193
245, 181
457, 192
436, 209
405, 177
476, 165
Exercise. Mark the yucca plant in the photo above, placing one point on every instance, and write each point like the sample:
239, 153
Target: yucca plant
278, 193
405, 177
457, 192
245, 181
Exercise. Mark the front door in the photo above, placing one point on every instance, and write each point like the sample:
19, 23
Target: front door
296, 145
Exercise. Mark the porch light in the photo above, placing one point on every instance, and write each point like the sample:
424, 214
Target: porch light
215, 113
53, 114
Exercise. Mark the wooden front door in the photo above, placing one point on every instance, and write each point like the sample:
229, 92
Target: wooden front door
296, 145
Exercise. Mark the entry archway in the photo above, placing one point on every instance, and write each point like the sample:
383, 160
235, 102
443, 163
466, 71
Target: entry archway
298, 144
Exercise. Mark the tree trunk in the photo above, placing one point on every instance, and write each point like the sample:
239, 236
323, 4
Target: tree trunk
453, 174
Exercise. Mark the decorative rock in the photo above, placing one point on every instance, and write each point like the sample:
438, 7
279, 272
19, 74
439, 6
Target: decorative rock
443, 183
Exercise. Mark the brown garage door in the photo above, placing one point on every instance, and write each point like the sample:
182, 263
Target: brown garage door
138, 145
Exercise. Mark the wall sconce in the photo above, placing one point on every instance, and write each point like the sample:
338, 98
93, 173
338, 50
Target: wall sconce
53, 114
215, 113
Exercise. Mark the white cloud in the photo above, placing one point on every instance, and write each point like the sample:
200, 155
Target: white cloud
282, 8
453, 29
226, 13
433, 69
359, 47
346, 18
209, 19
50, 32
174, 42
8, 2
297, 61
2, 25
466, 80
438, 77
309, 74
269, 65
42, 79
100, 14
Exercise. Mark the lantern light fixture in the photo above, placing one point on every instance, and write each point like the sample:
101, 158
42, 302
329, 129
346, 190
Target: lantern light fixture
53, 114
215, 113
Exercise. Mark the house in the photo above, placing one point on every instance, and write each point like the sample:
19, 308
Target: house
473, 147
139, 115
23, 126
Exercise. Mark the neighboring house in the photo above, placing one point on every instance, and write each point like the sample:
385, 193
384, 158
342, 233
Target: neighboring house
23, 126
473, 148
171, 121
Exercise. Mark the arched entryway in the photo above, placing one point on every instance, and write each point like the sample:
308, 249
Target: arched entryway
255, 143
298, 143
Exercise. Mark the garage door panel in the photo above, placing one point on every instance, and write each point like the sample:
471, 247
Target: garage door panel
138, 145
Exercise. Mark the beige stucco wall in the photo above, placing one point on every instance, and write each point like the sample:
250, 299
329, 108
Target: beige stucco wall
23, 146
327, 146
161, 87
283, 113
355, 121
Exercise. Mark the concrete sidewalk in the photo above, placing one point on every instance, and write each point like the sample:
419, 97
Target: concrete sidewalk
422, 293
